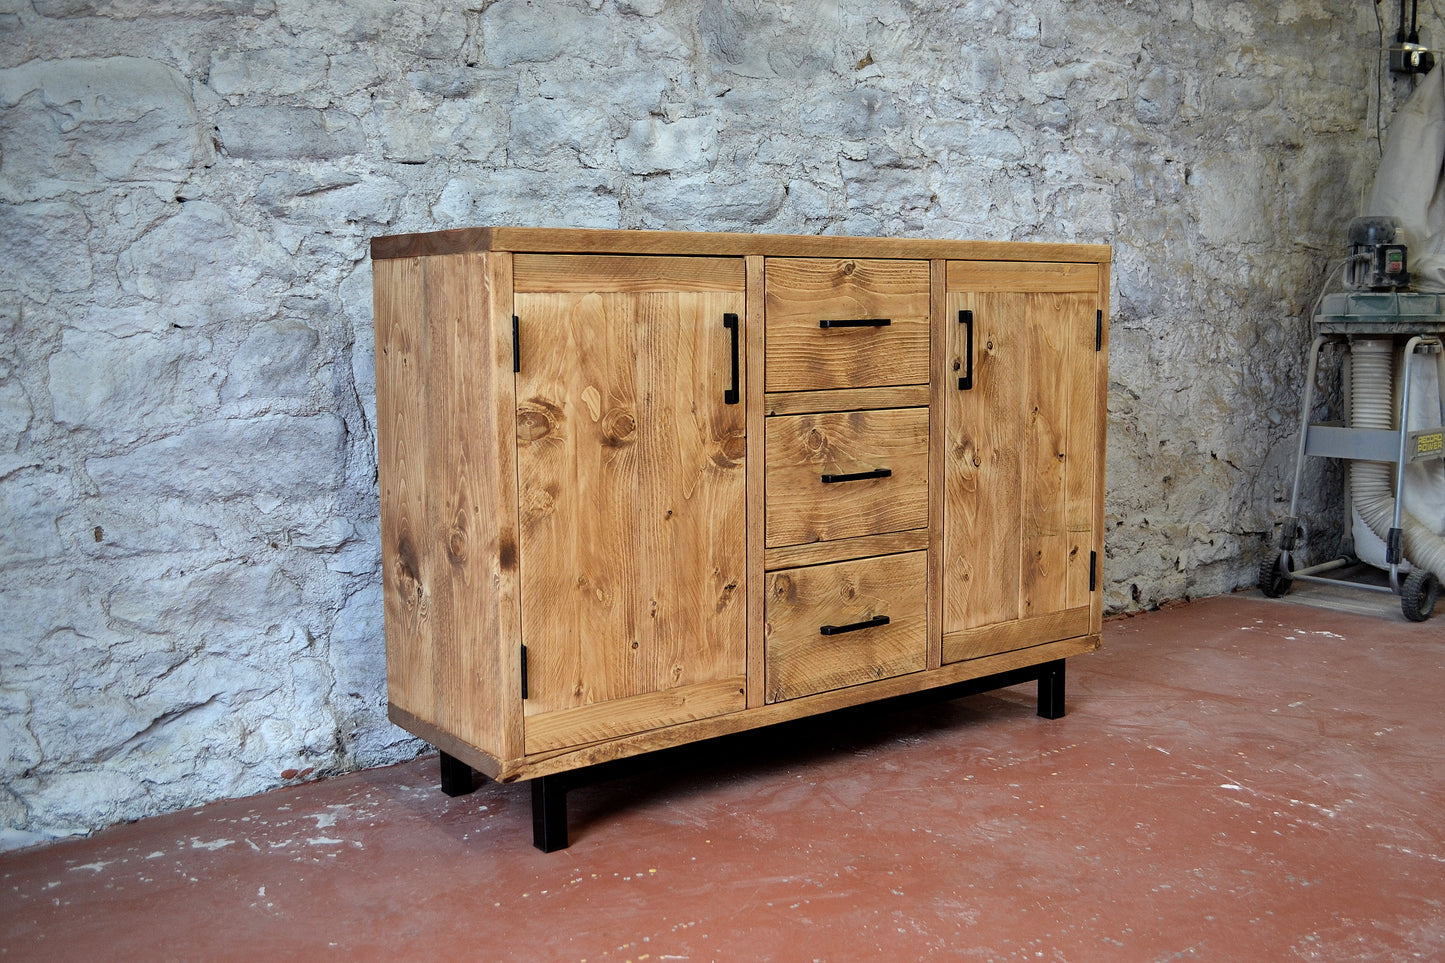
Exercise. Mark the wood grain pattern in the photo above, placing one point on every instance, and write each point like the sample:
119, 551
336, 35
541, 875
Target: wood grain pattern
447, 507
1043, 578
864, 546
802, 661
683, 243
1005, 636
846, 399
1024, 277
1020, 503
777, 712
1081, 434
770, 715
544, 274
498, 434
804, 357
802, 448
1101, 420
402, 350
638, 713
632, 497
983, 495
937, 437
757, 520
463, 523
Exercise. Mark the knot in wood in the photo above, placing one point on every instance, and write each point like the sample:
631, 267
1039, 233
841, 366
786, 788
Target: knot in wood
536, 420
619, 428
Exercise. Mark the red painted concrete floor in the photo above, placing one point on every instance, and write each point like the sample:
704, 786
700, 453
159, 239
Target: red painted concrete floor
1236, 779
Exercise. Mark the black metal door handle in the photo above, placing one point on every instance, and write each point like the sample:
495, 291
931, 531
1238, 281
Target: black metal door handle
965, 383
856, 323
730, 321
854, 627
858, 476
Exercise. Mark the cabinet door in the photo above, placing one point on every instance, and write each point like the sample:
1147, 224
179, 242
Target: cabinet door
1022, 474
630, 463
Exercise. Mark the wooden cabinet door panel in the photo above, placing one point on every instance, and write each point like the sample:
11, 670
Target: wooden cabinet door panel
631, 496
1020, 466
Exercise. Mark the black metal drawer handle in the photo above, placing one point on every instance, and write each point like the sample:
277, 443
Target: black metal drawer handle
856, 323
730, 395
877, 620
858, 476
965, 383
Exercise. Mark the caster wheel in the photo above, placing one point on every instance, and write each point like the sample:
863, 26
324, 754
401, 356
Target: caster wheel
1274, 580
1418, 595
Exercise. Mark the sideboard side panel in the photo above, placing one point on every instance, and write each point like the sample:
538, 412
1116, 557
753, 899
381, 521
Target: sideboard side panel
445, 403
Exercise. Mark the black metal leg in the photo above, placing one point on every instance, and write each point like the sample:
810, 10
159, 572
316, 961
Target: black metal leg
1051, 690
549, 813
456, 776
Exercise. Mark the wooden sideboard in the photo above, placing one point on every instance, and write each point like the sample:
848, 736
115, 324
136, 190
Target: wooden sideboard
643, 488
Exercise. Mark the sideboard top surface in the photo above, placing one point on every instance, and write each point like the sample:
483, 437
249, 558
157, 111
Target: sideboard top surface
588, 241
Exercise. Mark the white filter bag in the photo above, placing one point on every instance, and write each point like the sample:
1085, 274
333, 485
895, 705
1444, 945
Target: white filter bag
1408, 184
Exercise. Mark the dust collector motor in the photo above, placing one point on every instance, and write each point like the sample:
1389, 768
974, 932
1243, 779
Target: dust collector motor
1377, 259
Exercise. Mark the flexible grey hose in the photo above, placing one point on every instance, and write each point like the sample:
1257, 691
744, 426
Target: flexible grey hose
1372, 403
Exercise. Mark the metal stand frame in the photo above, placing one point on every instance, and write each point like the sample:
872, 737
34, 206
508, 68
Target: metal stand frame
1332, 440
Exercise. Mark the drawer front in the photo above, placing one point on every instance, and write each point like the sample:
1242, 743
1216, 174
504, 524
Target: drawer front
839, 293
825, 625
825, 474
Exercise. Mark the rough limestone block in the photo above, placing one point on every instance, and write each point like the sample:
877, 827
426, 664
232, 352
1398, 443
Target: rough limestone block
29, 500
513, 31
126, 387
287, 133
16, 414
45, 249
271, 72
118, 119
303, 460
275, 361
684, 146
200, 266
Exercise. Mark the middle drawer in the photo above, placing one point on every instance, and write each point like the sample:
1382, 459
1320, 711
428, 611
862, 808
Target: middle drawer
841, 474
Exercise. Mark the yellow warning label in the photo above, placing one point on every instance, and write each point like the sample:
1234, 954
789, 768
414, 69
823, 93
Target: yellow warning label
1426, 444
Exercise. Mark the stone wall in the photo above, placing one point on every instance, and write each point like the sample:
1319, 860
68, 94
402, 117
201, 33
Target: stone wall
188, 510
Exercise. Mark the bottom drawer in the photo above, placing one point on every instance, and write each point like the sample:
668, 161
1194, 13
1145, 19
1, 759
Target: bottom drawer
831, 626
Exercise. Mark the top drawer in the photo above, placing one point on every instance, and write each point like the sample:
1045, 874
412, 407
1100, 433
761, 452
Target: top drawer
803, 355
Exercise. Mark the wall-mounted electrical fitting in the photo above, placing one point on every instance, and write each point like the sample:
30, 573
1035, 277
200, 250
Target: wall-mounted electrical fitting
1410, 58
1408, 55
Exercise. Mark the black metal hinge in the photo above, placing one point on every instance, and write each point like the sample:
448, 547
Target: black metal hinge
1093, 570
524, 672
1099, 330
516, 350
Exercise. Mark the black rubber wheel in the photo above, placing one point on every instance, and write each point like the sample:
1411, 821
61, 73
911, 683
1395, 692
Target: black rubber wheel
1418, 595
1274, 580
